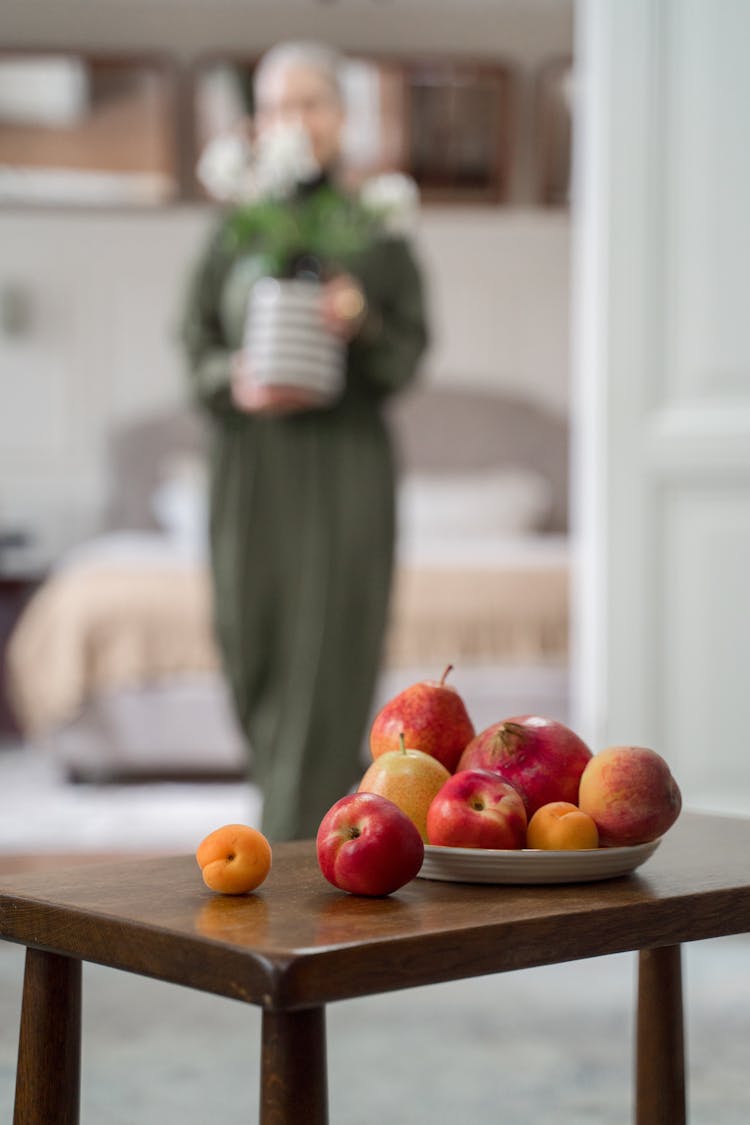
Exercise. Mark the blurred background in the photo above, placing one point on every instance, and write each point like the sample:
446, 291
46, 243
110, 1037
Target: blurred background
113, 672
573, 499
575, 490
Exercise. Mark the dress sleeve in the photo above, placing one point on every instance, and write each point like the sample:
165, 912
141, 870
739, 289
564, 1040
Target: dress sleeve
202, 336
383, 358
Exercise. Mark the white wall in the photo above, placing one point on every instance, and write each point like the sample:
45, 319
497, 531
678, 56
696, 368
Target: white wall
663, 389
104, 289
500, 284
100, 347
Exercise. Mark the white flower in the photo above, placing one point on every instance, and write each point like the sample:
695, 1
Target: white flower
234, 170
283, 159
224, 168
394, 198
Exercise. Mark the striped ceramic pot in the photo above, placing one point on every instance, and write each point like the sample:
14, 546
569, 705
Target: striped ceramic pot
286, 340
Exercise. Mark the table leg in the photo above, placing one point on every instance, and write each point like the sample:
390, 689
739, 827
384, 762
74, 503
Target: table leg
48, 1079
293, 1068
660, 1085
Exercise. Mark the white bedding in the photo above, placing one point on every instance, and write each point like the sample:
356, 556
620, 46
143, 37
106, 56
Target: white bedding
144, 549
470, 552
137, 549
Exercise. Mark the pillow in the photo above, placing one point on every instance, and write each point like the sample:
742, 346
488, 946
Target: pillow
505, 502
467, 431
180, 502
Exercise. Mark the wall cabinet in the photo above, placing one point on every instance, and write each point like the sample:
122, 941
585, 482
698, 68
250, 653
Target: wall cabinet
446, 122
126, 130
87, 129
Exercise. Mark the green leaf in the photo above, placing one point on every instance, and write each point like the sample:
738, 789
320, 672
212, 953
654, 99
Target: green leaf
327, 225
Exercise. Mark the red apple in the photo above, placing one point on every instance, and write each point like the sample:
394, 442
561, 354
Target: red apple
368, 846
477, 809
432, 718
541, 757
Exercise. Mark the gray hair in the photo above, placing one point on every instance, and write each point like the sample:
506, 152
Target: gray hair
327, 61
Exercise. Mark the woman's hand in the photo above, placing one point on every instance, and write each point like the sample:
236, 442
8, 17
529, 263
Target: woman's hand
344, 306
254, 398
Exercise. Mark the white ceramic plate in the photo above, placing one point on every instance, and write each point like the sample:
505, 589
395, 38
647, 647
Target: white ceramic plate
481, 865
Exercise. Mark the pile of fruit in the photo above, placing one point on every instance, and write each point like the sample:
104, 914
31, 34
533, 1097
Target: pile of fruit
524, 782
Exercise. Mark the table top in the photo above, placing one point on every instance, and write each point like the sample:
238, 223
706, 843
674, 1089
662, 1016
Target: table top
298, 942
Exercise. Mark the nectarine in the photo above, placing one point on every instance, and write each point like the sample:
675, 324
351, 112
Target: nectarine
477, 809
367, 846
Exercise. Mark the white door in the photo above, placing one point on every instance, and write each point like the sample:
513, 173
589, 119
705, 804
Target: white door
662, 387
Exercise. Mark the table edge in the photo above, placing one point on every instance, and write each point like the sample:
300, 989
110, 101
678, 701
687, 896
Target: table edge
306, 977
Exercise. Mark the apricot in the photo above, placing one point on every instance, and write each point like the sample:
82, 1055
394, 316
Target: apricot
562, 827
234, 859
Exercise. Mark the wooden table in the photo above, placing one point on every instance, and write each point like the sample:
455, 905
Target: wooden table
299, 944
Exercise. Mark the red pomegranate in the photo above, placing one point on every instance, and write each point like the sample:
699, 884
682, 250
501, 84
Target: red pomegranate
543, 758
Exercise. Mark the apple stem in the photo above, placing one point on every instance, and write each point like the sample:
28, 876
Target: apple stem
402, 742
447, 672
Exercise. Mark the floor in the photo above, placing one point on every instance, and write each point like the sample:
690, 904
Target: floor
548, 1046
41, 813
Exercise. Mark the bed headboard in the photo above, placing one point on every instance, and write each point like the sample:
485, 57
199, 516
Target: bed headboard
446, 430
139, 451
437, 430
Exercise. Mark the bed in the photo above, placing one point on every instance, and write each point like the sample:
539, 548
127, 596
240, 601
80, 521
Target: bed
113, 666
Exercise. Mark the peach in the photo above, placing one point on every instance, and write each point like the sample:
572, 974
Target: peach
234, 859
561, 827
631, 794
409, 778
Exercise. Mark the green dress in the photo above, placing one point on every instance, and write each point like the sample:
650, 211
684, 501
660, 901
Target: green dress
302, 530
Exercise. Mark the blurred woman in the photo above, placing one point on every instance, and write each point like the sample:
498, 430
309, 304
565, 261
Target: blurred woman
302, 494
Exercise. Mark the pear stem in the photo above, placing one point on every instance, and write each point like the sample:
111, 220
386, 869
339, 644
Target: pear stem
402, 742
447, 672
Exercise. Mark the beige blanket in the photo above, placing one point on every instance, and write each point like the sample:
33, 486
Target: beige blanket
96, 629
483, 615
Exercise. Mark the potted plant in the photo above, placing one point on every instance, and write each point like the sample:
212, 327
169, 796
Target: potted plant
298, 242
